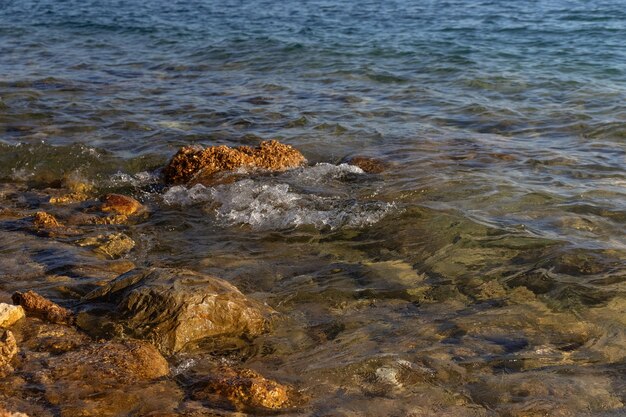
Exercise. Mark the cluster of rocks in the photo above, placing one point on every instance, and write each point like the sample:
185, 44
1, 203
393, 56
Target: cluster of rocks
151, 312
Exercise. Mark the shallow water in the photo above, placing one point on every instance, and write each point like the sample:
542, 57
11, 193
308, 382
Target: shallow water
481, 274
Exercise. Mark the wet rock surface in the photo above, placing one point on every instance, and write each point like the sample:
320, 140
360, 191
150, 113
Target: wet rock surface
8, 350
191, 161
121, 204
243, 390
114, 245
369, 165
45, 220
38, 306
175, 307
10, 314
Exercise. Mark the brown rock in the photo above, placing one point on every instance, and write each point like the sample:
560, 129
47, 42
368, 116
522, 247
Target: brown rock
8, 350
10, 314
191, 161
128, 361
109, 379
121, 204
36, 305
244, 390
369, 165
113, 245
44, 220
174, 307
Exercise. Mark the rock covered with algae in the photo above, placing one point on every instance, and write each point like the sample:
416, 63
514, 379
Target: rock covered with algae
174, 307
190, 162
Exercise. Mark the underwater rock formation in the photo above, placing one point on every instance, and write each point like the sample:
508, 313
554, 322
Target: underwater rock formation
243, 390
369, 165
191, 161
113, 245
174, 307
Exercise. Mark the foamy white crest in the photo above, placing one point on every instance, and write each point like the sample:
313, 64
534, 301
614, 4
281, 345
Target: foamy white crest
137, 180
264, 205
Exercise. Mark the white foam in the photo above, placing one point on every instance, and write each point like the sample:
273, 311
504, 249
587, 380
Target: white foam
136, 180
266, 204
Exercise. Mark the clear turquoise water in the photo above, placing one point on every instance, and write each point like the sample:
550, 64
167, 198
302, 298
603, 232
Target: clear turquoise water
504, 127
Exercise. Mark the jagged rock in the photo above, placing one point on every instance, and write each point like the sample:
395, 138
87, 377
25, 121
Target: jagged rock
45, 221
10, 314
113, 245
8, 349
191, 161
369, 165
173, 307
38, 306
121, 204
243, 390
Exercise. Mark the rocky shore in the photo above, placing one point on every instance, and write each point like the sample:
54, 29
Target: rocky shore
106, 348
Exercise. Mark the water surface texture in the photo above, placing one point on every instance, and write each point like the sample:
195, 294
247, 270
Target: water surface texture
483, 273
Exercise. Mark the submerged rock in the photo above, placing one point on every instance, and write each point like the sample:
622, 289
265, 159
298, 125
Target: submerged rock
243, 390
8, 350
44, 220
10, 314
190, 161
38, 306
121, 204
113, 245
174, 307
369, 165
109, 379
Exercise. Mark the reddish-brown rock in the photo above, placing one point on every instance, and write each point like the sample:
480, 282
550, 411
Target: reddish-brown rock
369, 165
38, 306
191, 161
121, 204
243, 390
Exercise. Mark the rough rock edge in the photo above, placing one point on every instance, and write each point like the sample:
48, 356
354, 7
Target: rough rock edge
190, 161
39, 306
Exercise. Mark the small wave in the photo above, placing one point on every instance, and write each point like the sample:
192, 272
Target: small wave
267, 205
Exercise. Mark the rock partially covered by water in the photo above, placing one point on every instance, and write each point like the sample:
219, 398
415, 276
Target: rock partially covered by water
9, 314
38, 306
173, 307
44, 220
243, 390
369, 165
8, 350
191, 161
121, 204
113, 245
109, 379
